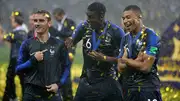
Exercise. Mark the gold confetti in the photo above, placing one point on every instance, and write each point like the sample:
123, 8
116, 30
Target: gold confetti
167, 89
16, 13
176, 28
72, 27
47, 15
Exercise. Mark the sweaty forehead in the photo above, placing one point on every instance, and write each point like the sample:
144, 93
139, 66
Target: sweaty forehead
129, 13
39, 16
91, 13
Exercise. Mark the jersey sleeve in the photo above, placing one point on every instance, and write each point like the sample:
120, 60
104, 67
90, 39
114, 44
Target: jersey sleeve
125, 43
78, 33
23, 61
15, 36
65, 63
121, 50
153, 43
118, 34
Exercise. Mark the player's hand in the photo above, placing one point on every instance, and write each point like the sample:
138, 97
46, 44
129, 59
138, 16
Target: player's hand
39, 55
97, 56
125, 55
121, 60
121, 65
68, 42
52, 88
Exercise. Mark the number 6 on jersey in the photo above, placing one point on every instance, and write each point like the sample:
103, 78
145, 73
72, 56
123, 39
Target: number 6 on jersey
88, 44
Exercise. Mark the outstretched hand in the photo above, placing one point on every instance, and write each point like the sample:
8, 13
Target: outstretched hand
68, 42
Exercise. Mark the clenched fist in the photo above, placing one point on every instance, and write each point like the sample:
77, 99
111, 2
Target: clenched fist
39, 55
52, 88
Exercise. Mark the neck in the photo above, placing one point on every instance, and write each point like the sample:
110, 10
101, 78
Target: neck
16, 26
103, 23
134, 32
43, 37
102, 26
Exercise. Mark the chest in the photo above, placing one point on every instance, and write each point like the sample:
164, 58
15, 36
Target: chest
50, 50
135, 45
96, 41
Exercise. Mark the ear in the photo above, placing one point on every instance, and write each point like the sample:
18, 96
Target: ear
137, 20
101, 17
50, 23
140, 16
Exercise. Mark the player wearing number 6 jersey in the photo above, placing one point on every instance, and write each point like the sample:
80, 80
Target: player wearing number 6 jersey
101, 42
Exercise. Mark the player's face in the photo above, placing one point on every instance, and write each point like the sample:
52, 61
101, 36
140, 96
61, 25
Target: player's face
94, 20
130, 21
13, 23
31, 21
41, 23
58, 17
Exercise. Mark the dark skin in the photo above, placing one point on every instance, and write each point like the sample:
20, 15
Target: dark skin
133, 23
121, 63
96, 23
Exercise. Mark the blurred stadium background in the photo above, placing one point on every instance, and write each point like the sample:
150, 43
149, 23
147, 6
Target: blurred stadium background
161, 15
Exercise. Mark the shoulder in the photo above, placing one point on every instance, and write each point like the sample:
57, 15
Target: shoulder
116, 28
152, 35
151, 32
82, 25
23, 32
152, 38
70, 20
27, 42
31, 32
126, 37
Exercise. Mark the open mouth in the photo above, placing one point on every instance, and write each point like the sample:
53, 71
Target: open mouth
128, 25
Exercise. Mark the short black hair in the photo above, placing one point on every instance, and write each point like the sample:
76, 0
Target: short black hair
135, 8
19, 20
97, 7
58, 11
45, 13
